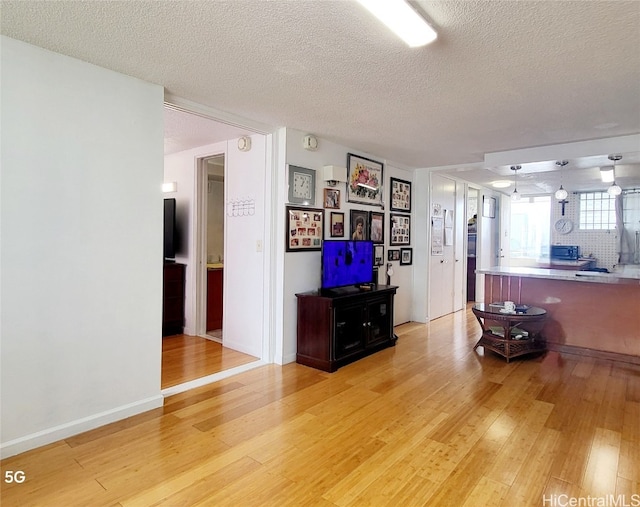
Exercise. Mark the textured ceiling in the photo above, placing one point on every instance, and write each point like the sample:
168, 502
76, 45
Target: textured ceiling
502, 75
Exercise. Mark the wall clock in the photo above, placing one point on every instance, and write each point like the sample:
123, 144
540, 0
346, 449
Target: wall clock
302, 185
564, 226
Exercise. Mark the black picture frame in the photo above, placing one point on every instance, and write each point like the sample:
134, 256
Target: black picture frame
376, 227
304, 229
399, 229
336, 227
364, 180
406, 256
378, 255
357, 215
400, 195
393, 255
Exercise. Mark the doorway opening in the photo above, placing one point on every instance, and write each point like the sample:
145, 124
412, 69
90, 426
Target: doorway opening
213, 169
472, 242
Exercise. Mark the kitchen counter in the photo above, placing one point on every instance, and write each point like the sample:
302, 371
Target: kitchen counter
215, 265
588, 313
627, 275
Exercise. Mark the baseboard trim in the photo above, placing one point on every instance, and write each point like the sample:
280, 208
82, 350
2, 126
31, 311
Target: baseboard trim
210, 379
50, 435
291, 358
598, 354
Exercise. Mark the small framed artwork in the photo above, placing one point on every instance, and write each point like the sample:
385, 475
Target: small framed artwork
337, 225
393, 255
488, 207
400, 197
331, 198
406, 256
378, 255
302, 185
304, 229
359, 225
364, 180
400, 230
376, 227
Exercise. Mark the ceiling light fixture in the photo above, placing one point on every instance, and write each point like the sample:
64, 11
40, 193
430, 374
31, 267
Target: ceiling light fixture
501, 184
606, 174
515, 196
614, 189
561, 194
403, 20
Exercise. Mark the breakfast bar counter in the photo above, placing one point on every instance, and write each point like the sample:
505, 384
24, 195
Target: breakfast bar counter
588, 313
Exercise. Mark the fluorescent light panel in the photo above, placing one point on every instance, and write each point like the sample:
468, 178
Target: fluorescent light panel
402, 20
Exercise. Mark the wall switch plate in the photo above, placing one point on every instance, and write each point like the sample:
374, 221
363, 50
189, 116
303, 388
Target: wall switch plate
259, 245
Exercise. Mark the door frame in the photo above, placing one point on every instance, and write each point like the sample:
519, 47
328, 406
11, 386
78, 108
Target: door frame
200, 230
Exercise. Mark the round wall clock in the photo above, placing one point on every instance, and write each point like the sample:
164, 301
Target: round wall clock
564, 226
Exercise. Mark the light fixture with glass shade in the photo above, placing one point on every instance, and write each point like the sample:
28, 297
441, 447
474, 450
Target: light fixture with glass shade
606, 174
561, 194
515, 196
614, 189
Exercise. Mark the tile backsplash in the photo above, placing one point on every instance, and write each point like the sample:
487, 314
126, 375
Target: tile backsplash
598, 243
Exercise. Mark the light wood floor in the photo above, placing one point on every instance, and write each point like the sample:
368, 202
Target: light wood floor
186, 358
428, 422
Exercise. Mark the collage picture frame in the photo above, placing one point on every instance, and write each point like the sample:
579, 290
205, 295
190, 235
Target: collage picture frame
305, 229
399, 229
400, 195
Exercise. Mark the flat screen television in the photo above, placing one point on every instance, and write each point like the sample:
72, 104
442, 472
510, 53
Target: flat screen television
169, 229
346, 263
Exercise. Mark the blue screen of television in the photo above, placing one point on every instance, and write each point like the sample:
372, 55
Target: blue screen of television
346, 263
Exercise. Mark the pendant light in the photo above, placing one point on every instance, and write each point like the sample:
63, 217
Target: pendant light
614, 189
515, 196
561, 194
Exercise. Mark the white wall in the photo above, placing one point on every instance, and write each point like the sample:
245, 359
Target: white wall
302, 269
81, 252
246, 261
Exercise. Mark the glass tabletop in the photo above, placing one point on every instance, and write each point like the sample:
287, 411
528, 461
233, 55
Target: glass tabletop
499, 308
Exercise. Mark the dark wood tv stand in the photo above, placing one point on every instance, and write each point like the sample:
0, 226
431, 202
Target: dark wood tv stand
339, 326
173, 298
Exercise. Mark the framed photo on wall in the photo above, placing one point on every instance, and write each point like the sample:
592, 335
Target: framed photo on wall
337, 225
331, 198
378, 255
376, 227
400, 195
400, 230
304, 228
406, 256
364, 180
359, 224
393, 255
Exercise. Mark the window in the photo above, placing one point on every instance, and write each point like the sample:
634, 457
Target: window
530, 228
597, 211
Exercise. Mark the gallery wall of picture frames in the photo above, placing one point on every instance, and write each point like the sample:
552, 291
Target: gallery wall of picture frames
305, 224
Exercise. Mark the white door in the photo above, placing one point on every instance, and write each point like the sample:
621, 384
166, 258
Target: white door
442, 263
460, 229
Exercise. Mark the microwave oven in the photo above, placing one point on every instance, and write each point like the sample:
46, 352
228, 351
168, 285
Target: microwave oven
565, 252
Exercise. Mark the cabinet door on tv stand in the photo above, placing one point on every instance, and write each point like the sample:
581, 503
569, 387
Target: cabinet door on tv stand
349, 330
378, 320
